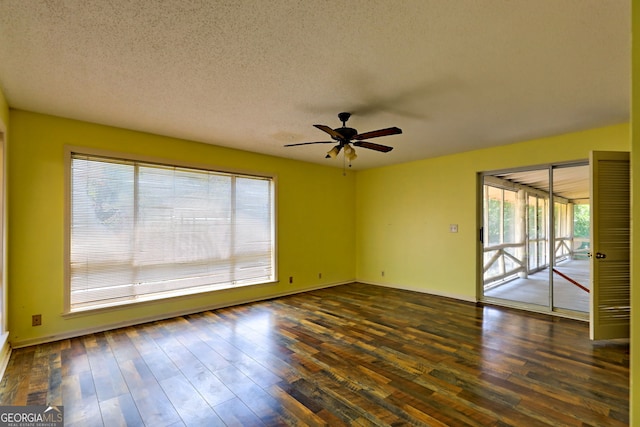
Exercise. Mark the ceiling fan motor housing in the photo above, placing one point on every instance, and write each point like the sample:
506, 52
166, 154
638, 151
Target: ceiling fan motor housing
346, 133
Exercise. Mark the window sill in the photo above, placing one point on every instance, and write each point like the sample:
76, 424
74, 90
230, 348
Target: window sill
157, 299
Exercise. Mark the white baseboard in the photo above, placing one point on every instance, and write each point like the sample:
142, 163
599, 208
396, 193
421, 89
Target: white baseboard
423, 291
5, 353
163, 316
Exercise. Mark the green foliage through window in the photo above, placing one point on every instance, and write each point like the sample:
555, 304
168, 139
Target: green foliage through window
581, 221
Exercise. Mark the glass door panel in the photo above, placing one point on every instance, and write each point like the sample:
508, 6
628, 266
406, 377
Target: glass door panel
516, 244
571, 269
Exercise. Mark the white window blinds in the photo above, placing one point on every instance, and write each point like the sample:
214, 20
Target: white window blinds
143, 231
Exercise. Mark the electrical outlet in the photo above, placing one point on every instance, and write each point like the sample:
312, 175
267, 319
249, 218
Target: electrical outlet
36, 320
319, 275
290, 279
382, 274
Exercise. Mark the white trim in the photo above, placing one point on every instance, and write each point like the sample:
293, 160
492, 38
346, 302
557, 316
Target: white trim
423, 291
163, 316
156, 301
497, 302
5, 347
5, 353
506, 304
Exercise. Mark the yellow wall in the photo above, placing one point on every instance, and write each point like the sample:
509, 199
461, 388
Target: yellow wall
404, 211
316, 208
635, 213
4, 111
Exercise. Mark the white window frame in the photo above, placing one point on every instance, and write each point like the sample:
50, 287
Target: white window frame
71, 151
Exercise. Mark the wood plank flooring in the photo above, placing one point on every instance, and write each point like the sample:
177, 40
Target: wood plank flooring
349, 355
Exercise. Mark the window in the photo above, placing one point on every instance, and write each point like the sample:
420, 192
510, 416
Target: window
562, 229
581, 231
501, 240
142, 231
537, 208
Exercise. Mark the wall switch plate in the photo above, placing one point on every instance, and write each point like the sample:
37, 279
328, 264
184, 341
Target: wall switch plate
453, 228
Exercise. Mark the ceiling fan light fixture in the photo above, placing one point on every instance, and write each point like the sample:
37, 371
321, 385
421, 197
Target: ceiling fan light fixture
333, 153
350, 153
351, 157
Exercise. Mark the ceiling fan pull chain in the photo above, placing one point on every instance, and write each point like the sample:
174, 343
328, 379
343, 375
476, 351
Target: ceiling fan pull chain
344, 164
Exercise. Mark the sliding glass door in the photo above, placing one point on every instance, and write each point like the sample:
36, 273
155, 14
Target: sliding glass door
572, 242
534, 243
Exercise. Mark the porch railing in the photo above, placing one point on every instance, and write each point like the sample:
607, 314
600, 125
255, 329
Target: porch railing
501, 261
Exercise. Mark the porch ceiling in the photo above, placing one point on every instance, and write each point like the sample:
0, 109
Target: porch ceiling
568, 182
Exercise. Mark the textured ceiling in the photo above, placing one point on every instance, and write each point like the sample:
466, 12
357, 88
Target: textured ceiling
255, 75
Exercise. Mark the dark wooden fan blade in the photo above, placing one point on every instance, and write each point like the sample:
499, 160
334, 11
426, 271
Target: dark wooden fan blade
307, 143
335, 135
377, 133
372, 146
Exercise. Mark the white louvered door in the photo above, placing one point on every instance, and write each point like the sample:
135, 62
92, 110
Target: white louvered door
610, 234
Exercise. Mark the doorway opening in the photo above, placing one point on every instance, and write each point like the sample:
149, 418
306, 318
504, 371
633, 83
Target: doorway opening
536, 239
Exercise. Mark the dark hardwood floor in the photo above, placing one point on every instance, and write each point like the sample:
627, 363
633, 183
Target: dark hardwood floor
349, 355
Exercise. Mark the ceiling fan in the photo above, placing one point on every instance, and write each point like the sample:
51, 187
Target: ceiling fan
346, 136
